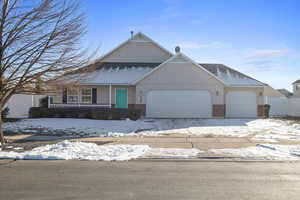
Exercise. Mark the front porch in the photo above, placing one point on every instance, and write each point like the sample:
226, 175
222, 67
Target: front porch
104, 96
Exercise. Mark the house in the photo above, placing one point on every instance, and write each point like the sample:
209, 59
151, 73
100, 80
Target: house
296, 89
141, 74
285, 92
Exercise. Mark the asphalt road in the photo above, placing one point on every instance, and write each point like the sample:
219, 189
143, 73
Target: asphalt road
143, 180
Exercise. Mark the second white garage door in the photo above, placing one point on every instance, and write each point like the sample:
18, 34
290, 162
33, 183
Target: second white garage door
179, 104
241, 104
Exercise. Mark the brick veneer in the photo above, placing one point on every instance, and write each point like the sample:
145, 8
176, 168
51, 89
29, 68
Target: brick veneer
142, 107
219, 110
260, 110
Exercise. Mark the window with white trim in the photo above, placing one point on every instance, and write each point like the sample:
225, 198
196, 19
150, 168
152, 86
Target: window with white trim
72, 95
86, 95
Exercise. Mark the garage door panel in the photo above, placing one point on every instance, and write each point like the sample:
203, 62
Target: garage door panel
241, 104
178, 104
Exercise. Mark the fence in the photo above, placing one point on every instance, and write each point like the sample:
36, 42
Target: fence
294, 107
284, 106
19, 104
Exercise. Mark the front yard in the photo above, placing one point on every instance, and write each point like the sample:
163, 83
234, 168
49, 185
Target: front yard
270, 130
152, 138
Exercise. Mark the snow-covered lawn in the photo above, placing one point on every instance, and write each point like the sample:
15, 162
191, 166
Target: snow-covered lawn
263, 152
67, 150
269, 130
83, 127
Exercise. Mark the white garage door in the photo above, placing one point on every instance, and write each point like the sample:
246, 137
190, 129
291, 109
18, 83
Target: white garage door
241, 105
178, 104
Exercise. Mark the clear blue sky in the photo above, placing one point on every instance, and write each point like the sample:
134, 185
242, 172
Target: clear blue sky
258, 37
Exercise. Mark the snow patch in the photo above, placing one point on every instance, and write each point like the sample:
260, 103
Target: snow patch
83, 127
271, 129
116, 75
67, 150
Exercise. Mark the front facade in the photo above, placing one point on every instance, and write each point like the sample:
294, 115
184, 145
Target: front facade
141, 74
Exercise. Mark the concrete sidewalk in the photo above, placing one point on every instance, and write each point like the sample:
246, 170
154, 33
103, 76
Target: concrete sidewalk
203, 143
170, 141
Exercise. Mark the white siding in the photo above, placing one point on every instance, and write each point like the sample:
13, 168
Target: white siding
294, 107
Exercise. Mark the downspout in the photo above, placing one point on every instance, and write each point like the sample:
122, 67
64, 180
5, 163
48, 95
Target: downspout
110, 96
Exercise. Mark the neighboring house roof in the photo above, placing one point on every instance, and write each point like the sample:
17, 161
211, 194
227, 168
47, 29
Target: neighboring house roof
285, 92
230, 76
118, 73
298, 81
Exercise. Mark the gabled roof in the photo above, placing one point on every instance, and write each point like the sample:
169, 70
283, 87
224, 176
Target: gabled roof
180, 55
130, 73
134, 38
230, 76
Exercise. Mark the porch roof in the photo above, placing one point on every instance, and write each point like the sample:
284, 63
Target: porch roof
118, 73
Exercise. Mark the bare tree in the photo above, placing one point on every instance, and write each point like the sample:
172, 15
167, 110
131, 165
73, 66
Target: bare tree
39, 40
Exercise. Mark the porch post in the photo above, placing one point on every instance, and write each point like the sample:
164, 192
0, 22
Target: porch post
110, 96
49, 102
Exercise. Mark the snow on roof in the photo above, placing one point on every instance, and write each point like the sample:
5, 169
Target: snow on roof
230, 76
298, 81
116, 75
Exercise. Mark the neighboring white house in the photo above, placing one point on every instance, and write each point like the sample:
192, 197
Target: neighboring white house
141, 74
296, 89
19, 104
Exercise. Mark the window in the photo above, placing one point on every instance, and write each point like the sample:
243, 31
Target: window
297, 87
86, 95
72, 95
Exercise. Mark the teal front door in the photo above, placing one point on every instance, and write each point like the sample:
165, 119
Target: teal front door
121, 98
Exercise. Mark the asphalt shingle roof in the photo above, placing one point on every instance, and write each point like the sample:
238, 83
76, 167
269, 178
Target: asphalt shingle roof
128, 73
230, 76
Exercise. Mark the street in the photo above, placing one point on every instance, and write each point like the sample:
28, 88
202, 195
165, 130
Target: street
148, 180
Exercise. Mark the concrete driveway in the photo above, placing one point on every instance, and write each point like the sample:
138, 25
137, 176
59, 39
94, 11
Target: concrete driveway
40, 180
